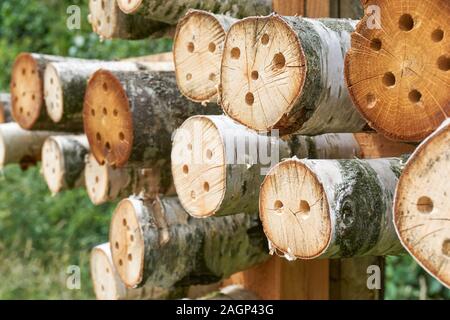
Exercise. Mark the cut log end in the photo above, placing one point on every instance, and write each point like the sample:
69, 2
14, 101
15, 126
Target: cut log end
103, 16
198, 166
263, 72
106, 285
26, 91
127, 243
294, 211
53, 94
398, 75
422, 209
198, 46
53, 165
129, 6
96, 177
106, 106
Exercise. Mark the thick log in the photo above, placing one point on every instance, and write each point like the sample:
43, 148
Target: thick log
20, 146
5, 108
144, 108
422, 206
110, 23
331, 208
197, 53
286, 73
402, 94
218, 165
105, 183
65, 86
157, 242
63, 162
170, 11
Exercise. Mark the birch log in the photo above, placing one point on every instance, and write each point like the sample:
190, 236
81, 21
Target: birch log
157, 242
65, 86
5, 108
20, 146
170, 11
397, 69
197, 52
218, 165
144, 108
110, 23
331, 208
286, 73
63, 162
422, 206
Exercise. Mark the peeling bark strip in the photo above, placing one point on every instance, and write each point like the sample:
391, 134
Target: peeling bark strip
5, 108
197, 52
105, 183
144, 108
63, 161
170, 11
218, 164
403, 93
286, 73
108, 286
27, 91
20, 146
65, 86
331, 208
159, 243
110, 23
422, 207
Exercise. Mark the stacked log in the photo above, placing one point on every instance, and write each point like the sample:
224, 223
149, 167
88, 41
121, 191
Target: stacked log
422, 207
5, 108
63, 162
397, 67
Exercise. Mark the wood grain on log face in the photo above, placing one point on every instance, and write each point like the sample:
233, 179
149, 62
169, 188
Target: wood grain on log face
53, 165
398, 75
107, 119
53, 93
197, 51
26, 90
422, 207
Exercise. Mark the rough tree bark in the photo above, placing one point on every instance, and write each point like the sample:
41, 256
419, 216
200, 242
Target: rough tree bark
218, 165
110, 23
170, 11
286, 73
144, 108
157, 242
20, 146
397, 67
5, 108
422, 207
63, 162
197, 53
331, 208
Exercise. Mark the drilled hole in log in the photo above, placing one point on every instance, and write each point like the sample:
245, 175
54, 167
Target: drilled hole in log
279, 61
206, 186
121, 136
249, 98
446, 248
103, 4
212, 77
33, 97
98, 137
425, 205
190, 47
444, 63
209, 154
278, 205
189, 76
120, 262
193, 195
376, 44
189, 146
116, 245
185, 169
304, 209
103, 288
108, 19
24, 71
265, 39
371, 101
21, 109
406, 22
415, 96
212, 47
96, 179
108, 146
124, 222
130, 257
105, 111
389, 79
107, 270
437, 35
255, 75
115, 113
93, 112
131, 238
235, 53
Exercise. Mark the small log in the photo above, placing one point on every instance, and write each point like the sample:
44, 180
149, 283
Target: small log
398, 72
105, 183
20, 146
157, 242
63, 162
286, 73
170, 11
218, 165
197, 52
422, 206
331, 208
144, 108
110, 23
5, 108
65, 86
108, 286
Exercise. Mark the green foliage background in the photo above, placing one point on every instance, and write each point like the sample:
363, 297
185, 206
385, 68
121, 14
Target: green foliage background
41, 235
